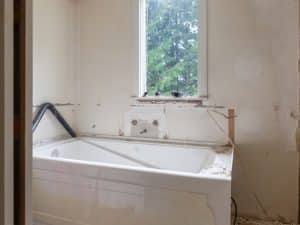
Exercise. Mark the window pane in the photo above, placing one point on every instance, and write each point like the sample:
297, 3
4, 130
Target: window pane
172, 46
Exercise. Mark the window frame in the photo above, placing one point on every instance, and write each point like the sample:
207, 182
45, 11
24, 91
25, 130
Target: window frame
202, 56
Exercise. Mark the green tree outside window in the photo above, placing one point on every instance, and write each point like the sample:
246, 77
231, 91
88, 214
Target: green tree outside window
172, 46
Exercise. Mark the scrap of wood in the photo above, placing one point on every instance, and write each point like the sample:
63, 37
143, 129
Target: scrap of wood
231, 124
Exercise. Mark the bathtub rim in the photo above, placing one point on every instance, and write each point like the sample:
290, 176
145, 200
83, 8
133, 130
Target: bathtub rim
218, 177
214, 146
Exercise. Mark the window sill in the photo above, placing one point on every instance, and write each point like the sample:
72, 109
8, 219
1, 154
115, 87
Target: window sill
164, 100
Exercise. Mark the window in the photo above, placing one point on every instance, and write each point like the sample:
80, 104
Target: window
173, 48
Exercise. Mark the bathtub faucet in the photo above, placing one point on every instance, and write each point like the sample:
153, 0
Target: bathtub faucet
144, 131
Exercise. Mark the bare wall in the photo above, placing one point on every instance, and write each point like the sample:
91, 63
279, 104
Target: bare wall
253, 53
54, 36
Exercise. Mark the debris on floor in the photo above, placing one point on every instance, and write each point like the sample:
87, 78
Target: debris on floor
243, 221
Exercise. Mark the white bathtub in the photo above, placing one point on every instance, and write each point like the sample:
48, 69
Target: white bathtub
88, 181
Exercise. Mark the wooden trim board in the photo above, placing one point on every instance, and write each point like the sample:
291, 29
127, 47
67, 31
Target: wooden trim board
6, 112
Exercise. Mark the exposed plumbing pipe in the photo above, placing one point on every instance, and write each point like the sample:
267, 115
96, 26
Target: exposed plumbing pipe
41, 112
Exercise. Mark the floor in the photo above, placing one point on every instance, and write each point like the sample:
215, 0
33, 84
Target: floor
240, 222
37, 223
243, 221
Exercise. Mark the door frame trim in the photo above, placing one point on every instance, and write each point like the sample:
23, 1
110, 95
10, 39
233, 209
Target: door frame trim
29, 90
6, 113
28, 125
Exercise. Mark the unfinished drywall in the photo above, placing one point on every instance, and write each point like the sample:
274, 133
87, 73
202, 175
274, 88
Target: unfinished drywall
253, 53
54, 35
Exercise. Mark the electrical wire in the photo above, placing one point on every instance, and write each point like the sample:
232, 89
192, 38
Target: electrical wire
221, 128
235, 148
235, 211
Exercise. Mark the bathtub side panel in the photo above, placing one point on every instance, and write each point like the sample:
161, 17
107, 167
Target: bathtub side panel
66, 199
